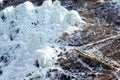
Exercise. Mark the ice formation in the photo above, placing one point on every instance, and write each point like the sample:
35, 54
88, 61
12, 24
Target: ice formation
36, 42
25, 30
44, 56
118, 1
72, 18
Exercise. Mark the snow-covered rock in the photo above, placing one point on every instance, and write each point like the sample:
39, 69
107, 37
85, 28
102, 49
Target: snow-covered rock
117, 1
25, 7
72, 18
44, 56
58, 14
9, 12
26, 12
47, 4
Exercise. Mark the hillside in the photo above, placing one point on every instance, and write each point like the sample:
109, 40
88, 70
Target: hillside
60, 40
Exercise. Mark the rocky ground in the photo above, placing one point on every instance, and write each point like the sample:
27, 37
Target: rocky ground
96, 52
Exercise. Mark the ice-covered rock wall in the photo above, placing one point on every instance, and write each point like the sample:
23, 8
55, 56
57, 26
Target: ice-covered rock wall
25, 30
